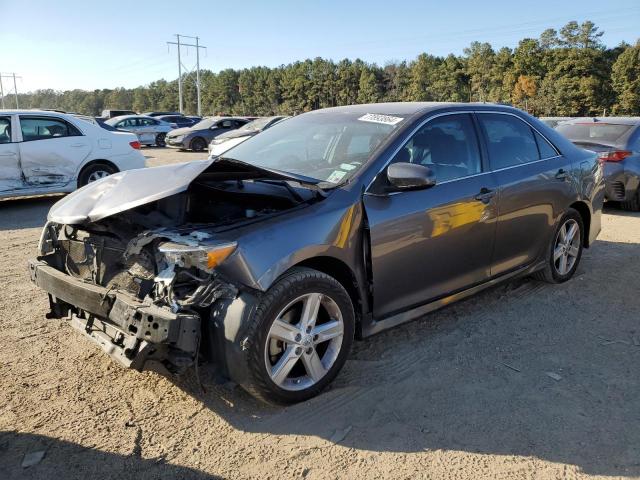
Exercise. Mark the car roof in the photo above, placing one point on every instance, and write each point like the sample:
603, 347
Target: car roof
605, 120
124, 117
36, 111
408, 108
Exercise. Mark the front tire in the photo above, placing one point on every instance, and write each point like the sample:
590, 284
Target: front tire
565, 251
198, 144
94, 172
299, 338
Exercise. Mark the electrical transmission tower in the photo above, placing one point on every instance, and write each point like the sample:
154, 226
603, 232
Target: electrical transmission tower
181, 66
15, 88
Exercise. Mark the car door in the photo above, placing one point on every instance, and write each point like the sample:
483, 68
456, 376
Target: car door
10, 171
147, 130
426, 244
534, 188
51, 150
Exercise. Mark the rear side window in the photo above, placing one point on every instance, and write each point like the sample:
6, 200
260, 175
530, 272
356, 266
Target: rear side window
544, 147
5, 130
510, 140
43, 128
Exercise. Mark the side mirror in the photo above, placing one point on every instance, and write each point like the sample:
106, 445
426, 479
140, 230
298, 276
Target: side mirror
410, 176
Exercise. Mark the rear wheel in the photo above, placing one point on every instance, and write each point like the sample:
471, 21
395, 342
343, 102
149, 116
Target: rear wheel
94, 172
565, 251
632, 205
198, 144
161, 140
300, 337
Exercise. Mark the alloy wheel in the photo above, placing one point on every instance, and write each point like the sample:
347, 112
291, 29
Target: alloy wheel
566, 247
304, 341
97, 175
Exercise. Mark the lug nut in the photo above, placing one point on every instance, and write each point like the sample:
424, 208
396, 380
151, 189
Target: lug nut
298, 337
298, 351
315, 338
309, 351
309, 329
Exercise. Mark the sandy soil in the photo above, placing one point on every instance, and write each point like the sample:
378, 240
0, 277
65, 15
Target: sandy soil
463, 393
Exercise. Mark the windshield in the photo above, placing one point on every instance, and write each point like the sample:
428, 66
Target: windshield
593, 132
330, 146
205, 123
258, 124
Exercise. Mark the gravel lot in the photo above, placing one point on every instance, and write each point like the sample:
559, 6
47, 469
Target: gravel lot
525, 380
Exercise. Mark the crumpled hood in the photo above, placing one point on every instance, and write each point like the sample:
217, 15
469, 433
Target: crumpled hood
124, 191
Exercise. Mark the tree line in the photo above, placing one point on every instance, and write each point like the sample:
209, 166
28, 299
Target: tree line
561, 73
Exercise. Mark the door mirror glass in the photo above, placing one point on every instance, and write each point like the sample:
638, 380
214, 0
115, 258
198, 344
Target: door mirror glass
410, 176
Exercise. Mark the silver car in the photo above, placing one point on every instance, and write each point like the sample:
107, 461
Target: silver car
150, 131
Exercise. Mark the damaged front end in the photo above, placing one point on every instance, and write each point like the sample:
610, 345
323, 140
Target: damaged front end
141, 300
131, 260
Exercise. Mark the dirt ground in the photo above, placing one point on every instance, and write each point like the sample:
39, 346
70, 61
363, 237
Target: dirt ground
526, 380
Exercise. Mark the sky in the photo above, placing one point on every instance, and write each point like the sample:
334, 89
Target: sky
88, 45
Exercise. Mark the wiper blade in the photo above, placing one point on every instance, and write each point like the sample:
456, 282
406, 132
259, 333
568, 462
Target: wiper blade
303, 180
285, 184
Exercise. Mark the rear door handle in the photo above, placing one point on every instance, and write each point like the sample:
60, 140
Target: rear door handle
561, 175
485, 195
77, 145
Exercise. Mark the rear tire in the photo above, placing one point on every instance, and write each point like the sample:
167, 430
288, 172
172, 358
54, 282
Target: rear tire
198, 144
94, 172
161, 140
289, 371
632, 205
564, 253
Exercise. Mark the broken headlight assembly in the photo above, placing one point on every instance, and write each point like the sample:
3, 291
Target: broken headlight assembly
187, 277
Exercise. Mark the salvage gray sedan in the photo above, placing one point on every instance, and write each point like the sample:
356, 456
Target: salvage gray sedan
334, 225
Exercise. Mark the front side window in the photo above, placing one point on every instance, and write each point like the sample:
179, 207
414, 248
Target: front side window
5, 130
447, 145
510, 140
42, 128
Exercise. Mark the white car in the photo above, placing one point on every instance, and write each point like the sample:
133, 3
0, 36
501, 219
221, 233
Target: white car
228, 140
48, 152
150, 130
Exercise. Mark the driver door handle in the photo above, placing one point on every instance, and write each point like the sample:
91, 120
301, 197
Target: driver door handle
485, 195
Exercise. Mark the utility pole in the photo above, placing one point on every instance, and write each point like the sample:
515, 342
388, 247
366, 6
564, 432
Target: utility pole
15, 87
197, 46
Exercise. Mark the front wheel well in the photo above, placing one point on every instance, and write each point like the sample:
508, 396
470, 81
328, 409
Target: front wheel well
343, 274
585, 213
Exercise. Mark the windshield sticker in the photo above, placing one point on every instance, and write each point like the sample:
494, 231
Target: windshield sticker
336, 176
377, 118
347, 166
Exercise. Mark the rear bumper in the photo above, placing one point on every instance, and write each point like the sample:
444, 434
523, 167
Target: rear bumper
621, 183
130, 331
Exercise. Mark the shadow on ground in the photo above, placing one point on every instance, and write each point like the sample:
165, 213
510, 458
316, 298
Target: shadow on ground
21, 213
526, 369
68, 461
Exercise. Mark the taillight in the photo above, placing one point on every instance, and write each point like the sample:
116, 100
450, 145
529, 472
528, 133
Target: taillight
135, 144
613, 156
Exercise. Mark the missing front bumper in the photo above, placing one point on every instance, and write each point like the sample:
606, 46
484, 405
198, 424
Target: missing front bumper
130, 331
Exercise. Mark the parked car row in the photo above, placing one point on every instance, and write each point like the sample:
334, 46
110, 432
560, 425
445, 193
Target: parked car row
50, 152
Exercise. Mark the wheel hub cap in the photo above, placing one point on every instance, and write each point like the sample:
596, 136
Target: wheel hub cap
566, 247
304, 341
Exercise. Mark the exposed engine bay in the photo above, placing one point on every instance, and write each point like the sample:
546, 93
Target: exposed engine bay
150, 271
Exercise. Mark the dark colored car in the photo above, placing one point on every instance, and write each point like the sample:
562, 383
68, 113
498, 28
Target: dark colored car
179, 121
616, 140
161, 114
333, 225
198, 136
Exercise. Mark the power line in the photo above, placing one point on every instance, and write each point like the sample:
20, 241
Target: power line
197, 46
15, 87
